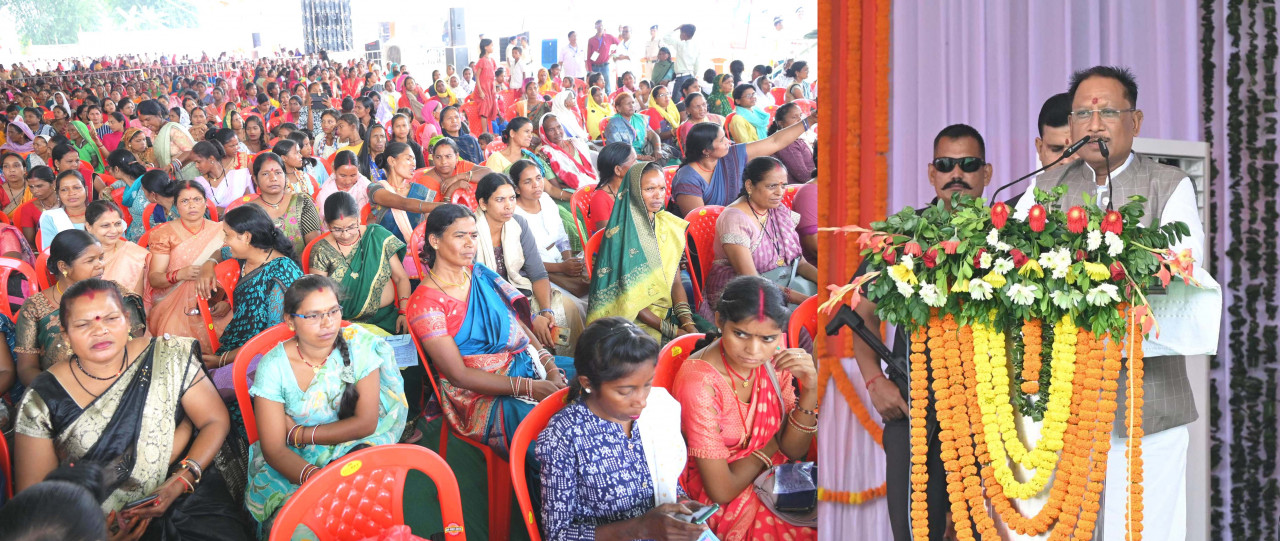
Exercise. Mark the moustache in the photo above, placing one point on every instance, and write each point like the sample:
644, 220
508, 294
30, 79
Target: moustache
957, 183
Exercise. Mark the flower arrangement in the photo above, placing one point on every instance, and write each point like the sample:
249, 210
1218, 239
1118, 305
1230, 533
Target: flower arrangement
974, 287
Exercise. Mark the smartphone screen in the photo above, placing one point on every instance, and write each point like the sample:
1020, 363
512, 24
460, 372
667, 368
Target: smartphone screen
702, 515
139, 503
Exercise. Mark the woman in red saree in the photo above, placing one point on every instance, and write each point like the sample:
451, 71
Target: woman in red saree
741, 414
486, 93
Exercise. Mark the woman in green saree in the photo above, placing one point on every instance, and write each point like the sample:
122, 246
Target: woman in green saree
143, 409
87, 145
637, 269
74, 256
172, 143
364, 260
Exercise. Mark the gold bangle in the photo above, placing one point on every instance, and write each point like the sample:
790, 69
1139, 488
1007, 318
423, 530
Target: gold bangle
763, 458
791, 420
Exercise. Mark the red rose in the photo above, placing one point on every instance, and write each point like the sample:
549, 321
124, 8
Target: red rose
1117, 272
1077, 220
999, 215
1080, 255
911, 248
977, 258
931, 258
1018, 257
1112, 222
1036, 218
889, 256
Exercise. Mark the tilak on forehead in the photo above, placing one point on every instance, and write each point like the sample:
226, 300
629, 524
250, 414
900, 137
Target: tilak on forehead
1095, 101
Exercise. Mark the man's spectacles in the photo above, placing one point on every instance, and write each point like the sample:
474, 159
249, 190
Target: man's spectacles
1082, 116
315, 318
967, 164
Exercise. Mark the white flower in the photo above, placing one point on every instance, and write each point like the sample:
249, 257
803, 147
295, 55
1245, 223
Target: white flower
984, 260
1002, 265
979, 289
1023, 294
1102, 294
905, 289
908, 262
1003, 246
1065, 300
993, 237
1114, 245
1093, 240
1058, 261
931, 296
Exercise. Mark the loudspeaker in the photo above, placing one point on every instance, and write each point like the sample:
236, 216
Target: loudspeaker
457, 27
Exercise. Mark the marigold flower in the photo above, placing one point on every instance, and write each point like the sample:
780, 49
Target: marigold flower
1036, 217
1112, 222
999, 215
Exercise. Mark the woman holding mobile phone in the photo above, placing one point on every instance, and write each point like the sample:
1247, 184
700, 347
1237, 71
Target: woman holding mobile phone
611, 460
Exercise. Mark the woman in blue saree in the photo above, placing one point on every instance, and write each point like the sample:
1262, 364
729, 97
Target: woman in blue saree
474, 326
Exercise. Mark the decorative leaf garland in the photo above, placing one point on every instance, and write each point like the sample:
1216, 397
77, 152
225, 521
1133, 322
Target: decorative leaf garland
1244, 485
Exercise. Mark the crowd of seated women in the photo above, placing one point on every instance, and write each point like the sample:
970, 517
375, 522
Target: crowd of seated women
406, 224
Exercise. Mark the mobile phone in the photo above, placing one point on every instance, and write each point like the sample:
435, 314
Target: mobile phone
562, 335
140, 502
701, 515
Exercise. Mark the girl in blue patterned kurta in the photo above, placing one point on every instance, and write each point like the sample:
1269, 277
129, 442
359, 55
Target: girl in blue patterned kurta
612, 458
318, 396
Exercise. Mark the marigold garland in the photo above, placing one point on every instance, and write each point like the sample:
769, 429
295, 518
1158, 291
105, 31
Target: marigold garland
1032, 347
919, 438
1133, 426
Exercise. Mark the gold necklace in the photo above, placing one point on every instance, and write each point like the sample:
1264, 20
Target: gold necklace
466, 277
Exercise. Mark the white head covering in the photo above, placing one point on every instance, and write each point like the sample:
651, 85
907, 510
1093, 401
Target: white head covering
568, 120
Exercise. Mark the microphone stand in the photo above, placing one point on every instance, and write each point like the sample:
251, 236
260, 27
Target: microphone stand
1065, 154
1106, 158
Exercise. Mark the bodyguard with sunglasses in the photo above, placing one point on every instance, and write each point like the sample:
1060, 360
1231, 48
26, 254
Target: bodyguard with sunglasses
959, 166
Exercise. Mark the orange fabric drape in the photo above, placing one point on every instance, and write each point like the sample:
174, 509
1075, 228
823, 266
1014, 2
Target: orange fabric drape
853, 124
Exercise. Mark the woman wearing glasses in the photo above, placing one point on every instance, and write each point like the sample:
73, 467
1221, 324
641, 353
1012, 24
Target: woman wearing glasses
712, 170
365, 261
318, 396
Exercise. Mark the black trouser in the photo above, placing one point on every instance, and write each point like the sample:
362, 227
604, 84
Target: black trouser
897, 450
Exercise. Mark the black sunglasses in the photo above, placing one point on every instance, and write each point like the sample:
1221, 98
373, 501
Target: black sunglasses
969, 164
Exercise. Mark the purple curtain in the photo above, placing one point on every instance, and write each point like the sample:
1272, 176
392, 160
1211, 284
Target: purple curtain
992, 64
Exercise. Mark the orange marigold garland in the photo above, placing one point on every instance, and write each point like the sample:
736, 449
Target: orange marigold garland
1031, 350
1133, 425
948, 396
919, 438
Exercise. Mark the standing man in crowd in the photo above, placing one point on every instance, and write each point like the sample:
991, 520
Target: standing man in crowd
572, 63
651, 51
624, 55
599, 50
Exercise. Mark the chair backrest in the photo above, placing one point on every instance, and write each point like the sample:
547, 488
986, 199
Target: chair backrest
145, 239
670, 173
702, 229
206, 316
789, 195
589, 252
672, 357
466, 198
528, 430
728, 119
306, 253
804, 316
257, 345
117, 195
365, 211
779, 94
413, 245
579, 202
237, 202
8, 266
146, 216
228, 275
43, 277
212, 209
361, 494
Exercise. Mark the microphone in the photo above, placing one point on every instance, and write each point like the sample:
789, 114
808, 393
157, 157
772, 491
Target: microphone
1066, 153
1106, 157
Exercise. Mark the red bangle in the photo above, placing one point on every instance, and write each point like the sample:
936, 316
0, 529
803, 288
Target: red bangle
876, 377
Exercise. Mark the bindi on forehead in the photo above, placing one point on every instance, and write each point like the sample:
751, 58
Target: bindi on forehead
1095, 101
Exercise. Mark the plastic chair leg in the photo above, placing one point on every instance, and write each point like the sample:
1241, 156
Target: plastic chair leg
499, 496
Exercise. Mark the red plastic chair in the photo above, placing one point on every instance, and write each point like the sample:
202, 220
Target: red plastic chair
589, 252
465, 198
497, 470
805, 317
257, 345
727, 120
7, 468
4, 218
779, 94
43, 277
306, 253
228, 275
364, 214
702, 229
414, 247
528, 430
672, 357
670, 173
144, 239
239, 201
362, 494
603, 123
789, 195
579, 202
117, 195
39, 239
8, 266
